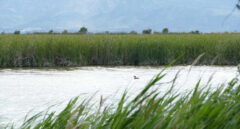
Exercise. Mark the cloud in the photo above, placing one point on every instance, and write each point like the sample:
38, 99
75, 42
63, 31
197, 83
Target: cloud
225, 12
31, 29
12, 10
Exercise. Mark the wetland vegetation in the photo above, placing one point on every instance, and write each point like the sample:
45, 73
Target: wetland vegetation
30, 50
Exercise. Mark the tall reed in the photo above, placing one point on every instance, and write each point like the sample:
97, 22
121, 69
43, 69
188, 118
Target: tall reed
81, 50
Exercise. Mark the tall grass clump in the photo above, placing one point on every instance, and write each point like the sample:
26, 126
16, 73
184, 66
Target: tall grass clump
201, 108
82, 50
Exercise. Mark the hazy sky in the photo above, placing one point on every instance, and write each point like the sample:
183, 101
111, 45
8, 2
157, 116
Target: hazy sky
118, 15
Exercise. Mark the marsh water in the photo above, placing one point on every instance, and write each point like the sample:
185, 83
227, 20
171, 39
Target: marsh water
25, 90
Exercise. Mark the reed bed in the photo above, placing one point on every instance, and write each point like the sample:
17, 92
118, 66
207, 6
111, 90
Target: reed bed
81, 50
201, 108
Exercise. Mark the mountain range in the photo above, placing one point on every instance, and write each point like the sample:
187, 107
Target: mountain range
119, 15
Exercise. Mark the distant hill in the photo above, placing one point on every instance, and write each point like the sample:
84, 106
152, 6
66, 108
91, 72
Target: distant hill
118, 15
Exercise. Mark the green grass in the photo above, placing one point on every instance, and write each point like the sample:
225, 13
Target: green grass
82, 50
202, 108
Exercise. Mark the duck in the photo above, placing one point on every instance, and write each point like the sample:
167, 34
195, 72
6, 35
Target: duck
135, 77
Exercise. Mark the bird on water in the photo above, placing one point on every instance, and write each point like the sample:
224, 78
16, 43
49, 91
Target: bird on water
135, 77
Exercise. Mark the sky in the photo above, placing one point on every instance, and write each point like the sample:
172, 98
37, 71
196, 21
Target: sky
119, 15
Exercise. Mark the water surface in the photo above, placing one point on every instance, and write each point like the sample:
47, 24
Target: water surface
22, 90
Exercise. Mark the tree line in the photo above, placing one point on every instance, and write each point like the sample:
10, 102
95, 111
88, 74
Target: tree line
84, 30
